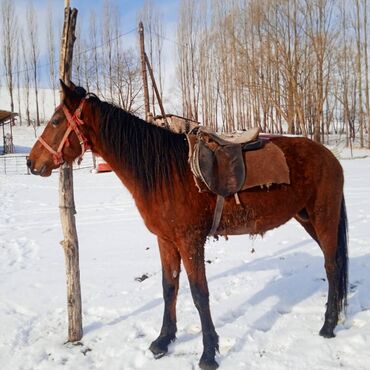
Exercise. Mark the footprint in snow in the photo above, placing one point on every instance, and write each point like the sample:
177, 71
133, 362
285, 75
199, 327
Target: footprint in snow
16, 253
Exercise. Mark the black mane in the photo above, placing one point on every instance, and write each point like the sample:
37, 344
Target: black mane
151, 153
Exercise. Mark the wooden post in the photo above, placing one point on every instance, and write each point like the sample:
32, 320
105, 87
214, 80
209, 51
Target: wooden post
151, 74
143, 70
66, 197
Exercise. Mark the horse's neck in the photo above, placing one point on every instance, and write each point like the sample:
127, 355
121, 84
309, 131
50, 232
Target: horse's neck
98, 148
120, 170
124, 169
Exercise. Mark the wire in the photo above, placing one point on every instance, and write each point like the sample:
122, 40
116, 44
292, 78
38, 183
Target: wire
78, 54
42, 66
104, 43
166, 38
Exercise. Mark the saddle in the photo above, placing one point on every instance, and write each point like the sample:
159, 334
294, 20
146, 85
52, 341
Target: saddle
218, 161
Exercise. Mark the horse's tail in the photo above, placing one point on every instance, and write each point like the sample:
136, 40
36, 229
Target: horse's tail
342, 257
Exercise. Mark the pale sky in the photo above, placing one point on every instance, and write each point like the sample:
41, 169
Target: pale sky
129, 10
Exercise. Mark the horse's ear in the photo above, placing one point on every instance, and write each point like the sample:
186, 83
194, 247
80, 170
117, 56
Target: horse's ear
72, 92
72, 86
66, 90
80, 92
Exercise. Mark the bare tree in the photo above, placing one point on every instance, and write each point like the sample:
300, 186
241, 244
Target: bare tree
321, 39
18, 76
128, 81
285, 65
108, 50
9, 42
95, 57
51, 51
78, 55
359, 71
152, 20
26, 81
34, 52
188, 49
366, 57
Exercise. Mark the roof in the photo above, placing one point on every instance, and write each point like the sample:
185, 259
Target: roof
6, 116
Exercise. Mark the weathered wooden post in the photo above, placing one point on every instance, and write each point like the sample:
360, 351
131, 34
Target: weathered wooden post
143, 70
151, 74
66, 198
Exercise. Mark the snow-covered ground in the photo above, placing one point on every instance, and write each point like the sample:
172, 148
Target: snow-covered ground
267, 294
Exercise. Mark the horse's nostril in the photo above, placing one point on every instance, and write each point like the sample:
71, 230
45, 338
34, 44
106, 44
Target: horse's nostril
29, 163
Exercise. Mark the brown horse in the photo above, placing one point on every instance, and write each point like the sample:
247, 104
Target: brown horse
152, 163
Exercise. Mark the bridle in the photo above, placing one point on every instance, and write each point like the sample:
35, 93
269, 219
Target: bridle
73, 123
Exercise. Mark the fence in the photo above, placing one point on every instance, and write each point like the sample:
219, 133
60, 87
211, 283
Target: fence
13, 165
16, 164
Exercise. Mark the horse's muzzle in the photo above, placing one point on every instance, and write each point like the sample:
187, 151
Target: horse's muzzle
34, 171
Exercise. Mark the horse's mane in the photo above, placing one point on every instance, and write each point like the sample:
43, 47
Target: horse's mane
150, 152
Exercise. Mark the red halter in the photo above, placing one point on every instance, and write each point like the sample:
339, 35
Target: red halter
73, 121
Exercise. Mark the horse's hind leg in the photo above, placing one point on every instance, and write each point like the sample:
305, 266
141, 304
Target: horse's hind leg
170, 259
331, 230
307, 225
193, 260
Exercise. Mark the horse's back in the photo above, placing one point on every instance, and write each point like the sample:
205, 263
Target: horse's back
313, 170
306, 155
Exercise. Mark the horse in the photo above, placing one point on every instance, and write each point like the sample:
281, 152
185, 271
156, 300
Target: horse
152, 163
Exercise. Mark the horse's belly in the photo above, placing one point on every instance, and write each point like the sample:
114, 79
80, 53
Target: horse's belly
251, 227
241, 230
255, 218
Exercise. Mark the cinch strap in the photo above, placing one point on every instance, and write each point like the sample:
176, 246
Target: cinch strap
217, 215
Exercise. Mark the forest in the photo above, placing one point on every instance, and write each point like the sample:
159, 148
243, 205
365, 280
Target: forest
288, 66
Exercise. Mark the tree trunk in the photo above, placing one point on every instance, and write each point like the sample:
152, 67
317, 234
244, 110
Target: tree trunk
359, 73
366, 74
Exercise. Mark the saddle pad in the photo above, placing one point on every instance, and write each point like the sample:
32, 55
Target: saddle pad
265, 167
241, 137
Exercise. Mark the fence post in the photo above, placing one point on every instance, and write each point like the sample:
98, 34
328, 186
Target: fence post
66, 197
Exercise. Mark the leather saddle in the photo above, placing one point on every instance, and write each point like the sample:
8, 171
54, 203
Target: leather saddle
218, 161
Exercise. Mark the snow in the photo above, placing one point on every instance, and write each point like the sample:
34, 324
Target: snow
267, 294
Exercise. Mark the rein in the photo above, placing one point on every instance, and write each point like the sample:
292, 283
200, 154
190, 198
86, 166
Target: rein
73, 123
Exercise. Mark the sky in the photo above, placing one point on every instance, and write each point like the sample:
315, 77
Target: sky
129, 8
129, 15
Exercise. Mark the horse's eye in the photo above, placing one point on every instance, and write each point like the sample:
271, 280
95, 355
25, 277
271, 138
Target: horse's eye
54, 122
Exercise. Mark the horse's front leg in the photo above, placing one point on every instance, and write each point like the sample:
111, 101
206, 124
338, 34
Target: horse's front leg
193, 260
170, 259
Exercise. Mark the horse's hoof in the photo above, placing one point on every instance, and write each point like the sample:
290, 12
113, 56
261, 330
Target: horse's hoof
158, 351
158, 354
326, 332
160, 346
208, 364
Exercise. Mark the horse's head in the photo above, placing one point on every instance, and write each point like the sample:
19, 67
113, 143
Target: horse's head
62, 139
